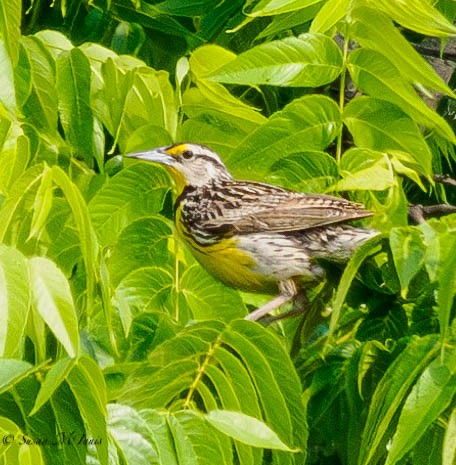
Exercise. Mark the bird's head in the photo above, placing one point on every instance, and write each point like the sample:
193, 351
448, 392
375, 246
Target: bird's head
189, 164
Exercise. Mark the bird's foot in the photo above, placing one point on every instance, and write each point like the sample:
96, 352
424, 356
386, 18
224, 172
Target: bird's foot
288, 292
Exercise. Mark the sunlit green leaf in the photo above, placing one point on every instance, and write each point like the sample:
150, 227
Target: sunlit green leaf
245, 429
116, 204
144, 289
330, 14
141, 435
208, 298
195, 440
13, 371
364, 169
391, 392
375, 75
408, 251
310, 60
308, 123
429, 397
10, 23
73, 86
14, 301
275, 7
417, 15
286, 21
449, 444
309, 171
54, 378
41, 106
143, 243
7, 90
88, 387
380, 125
370, 28
53, 301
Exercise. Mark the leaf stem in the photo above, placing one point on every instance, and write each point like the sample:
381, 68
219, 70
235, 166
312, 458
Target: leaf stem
199, 373
176, 278
342, 97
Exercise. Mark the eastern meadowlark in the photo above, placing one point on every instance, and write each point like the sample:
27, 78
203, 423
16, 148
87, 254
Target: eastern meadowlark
253, 236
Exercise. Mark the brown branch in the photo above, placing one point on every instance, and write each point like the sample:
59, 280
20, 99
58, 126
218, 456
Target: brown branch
434, 52
444, 179
418, 213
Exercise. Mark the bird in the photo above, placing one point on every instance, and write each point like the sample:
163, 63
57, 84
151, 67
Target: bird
254, 236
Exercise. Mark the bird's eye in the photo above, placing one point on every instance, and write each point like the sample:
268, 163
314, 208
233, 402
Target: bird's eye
187, 154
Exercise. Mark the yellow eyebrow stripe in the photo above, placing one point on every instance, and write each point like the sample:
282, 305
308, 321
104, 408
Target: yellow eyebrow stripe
175, 150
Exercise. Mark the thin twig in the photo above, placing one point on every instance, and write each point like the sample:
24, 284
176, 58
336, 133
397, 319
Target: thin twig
419, 213
444, 179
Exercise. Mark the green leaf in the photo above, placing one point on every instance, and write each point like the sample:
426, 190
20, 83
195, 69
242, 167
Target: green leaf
447, 281
310, 60
10, 30
16, 451
309, 171
408, 252
54, 378
152, 98
12, 372
163, 386
390, 394
330, 14
216, 129
147, 136
7, 89
188, 8
23, 187
88, 387
129, 95
110, 102
87, 239
142, 436
55, 41
70, 426
14, 301
365, 250
275, 7
116, 204
364, 169
274, 378
42, 203
449, 443
207, 298
307, 123
73, 87
54, 302
375, 75
379, 125
142, 243
430, 396
144, 289
417, 15
246, 429
41, 107
286, 21
203, 62
196, 442
370, 27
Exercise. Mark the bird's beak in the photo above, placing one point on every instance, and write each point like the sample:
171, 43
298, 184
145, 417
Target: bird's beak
158, 155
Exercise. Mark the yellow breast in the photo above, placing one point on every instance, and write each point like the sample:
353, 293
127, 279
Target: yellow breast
228, 264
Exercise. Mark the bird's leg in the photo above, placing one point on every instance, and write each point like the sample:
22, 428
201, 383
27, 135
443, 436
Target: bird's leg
288, 292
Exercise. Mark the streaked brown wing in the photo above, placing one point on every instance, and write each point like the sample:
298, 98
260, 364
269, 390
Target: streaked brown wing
280, 213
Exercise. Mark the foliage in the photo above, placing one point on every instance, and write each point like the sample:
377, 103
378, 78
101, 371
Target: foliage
117, 347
